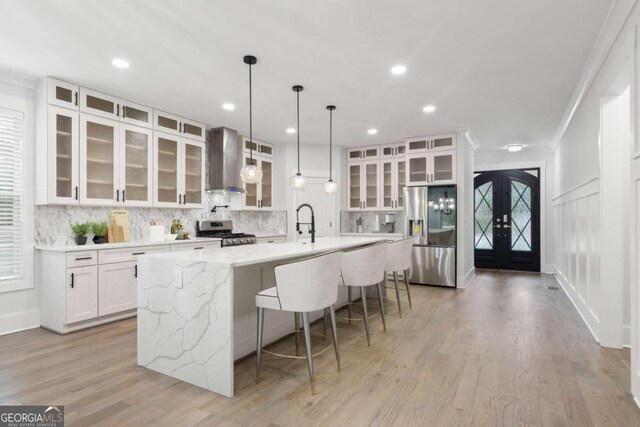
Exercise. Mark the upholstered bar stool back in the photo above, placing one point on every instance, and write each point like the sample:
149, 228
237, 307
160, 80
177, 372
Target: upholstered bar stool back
399, 259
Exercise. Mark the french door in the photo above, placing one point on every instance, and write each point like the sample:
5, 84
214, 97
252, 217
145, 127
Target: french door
507, 220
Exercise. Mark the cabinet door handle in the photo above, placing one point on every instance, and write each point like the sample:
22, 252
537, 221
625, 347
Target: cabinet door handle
138, 253
180, 127
117, 195
72, 279
179, 199
135, 270
184, 199
124, 112
123, 199
76, 99
76, 192
118, 110
84, 258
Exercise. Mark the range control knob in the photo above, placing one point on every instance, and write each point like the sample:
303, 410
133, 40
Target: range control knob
244, 241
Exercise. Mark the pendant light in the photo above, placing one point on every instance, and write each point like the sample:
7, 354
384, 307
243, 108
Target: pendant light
298, 181
251, 173
330, 187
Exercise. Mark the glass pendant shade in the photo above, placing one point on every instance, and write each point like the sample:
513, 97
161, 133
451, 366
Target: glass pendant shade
298, 182
331, 187
251, 174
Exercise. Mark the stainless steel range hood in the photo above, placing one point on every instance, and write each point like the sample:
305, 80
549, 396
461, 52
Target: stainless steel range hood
225, 161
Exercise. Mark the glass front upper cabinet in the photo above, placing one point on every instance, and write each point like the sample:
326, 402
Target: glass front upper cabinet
63, 156
62, 94
98, 161
266, 184
193, 174
166, 167
136, 163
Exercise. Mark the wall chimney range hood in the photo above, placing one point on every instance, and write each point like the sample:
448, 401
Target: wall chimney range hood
225, 161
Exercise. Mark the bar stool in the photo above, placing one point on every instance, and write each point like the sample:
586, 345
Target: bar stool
399, 259
301, 287
361, 268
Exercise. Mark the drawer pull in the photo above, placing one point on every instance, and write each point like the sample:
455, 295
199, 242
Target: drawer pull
84, 258
199, 247
138, 253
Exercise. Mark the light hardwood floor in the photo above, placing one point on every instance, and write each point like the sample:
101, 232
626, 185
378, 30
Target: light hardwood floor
506, 351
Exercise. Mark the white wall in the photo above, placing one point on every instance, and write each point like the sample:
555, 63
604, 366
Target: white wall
19, 309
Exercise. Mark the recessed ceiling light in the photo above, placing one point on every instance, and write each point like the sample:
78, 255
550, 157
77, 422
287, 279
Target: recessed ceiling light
291, 130
514, 147
372, 131
397, 70
429, 109
120, 63
228, 106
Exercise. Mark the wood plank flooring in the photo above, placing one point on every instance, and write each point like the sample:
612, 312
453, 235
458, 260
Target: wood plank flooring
507, 351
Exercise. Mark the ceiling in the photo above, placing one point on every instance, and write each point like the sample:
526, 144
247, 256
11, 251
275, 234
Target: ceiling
503, 69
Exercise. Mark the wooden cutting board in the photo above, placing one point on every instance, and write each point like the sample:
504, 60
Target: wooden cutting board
119, 226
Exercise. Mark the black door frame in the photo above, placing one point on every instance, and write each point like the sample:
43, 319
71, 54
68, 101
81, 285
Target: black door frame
502, 256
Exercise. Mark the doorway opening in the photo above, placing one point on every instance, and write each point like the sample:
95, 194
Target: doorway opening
507, 219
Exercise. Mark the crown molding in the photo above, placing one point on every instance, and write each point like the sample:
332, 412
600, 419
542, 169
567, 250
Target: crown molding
614, 22
473, 142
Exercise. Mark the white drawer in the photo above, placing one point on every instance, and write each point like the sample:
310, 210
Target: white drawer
108, 256
195, 246
273, 239
82, 259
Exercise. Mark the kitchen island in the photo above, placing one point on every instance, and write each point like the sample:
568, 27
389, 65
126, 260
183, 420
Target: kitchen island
196, 311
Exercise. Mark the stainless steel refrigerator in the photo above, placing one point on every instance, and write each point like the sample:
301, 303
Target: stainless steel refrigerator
430, 216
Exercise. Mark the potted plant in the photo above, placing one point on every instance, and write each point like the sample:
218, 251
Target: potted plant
100, 231
80, 231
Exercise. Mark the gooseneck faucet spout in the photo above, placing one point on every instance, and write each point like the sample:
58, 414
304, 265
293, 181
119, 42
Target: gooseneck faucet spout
312, 230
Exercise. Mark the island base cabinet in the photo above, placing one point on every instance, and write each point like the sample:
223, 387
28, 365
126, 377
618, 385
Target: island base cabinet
116, 287
82, 293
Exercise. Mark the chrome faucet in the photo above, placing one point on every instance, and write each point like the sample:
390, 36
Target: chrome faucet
312, 230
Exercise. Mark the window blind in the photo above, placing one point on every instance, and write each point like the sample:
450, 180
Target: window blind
11, 221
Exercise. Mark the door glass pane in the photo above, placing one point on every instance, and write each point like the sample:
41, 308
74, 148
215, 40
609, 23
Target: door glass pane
136, 165
402, 149
100, 148
371, 152
100, 104
483, 196
64, 94
443, 168
354, 186
135, 114
418, 169
355, 154
402, 175
387, 151
192, 174
167, 170
520, 216
251, 190
266, 184
442, 142
266, 149
191, 129
168, 123
386, 185
251, 145
64, 161
417, 145
371, 185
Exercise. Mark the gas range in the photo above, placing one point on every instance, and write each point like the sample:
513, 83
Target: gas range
223, 230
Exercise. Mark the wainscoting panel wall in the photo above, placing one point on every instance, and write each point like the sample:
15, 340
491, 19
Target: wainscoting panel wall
577, 214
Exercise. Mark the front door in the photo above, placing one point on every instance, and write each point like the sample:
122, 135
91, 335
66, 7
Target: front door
507, 220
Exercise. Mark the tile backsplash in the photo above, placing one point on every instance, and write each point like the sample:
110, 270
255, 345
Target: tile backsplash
53, 223
348, 221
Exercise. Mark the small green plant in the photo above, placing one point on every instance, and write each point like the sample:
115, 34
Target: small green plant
80, 230
99, 228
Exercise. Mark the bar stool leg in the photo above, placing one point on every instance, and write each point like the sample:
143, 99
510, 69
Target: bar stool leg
259, 345
307, 341
384, 324
363, 295
349, 305
406, 281
296, 322
395, 280
334, 331
324, 321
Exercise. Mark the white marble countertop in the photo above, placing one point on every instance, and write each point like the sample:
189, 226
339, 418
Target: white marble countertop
370, 234
265, 235
236, 256
90, 246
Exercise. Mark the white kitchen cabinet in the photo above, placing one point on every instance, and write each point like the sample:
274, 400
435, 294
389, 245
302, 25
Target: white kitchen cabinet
393, 178
431, 168
179, 126
363, 183
271, 239
431, 143
62, 162
179, 172
195, 246
61, 94
135, 165
363, 153
117, 287
111, 107
261, 148
260, 195
393, 150
81, 293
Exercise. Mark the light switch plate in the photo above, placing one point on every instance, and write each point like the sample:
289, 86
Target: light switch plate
177, 278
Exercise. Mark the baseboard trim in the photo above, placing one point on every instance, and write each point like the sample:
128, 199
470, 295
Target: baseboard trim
635, 399
558, 276
17, 322
548, 269
626, 336
468, 278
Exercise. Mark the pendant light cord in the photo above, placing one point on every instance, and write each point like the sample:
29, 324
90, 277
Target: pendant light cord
330, 142
250, 119
298, 125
